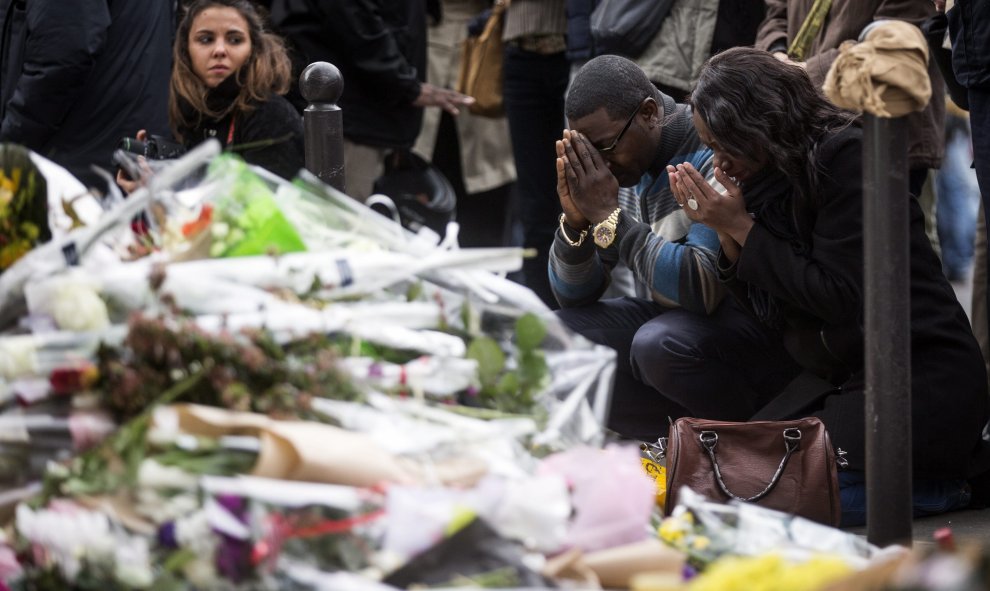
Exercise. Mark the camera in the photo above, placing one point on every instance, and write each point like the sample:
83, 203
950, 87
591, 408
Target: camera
155, 148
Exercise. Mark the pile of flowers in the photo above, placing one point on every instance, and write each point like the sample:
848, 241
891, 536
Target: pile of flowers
247, 391
233, 382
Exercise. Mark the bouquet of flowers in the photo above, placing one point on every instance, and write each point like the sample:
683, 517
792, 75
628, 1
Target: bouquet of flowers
741, 545
23, 205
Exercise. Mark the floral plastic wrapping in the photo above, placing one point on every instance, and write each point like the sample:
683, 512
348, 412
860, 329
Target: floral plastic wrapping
352, 252
97, 244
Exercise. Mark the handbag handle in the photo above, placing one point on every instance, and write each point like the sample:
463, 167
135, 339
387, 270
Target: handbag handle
792, 440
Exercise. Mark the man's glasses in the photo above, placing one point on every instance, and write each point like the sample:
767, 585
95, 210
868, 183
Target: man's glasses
611, 147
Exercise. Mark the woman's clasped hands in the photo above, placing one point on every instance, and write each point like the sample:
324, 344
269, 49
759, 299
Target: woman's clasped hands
723, 211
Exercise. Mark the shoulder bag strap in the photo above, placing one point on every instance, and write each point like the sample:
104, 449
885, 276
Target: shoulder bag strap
801, 44
801, 393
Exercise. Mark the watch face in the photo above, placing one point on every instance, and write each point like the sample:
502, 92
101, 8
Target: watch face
604, 235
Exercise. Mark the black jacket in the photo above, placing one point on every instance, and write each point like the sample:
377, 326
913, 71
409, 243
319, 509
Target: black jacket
799, 276
580, 43
969, 26
78, 75
379, 47
271, 136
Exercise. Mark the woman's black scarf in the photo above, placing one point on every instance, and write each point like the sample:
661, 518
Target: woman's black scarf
218, 100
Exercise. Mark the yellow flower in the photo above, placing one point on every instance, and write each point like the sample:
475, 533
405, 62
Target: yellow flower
670, 532
30, 231
813, 574
700, 543
673, 529
769, 572
13, 251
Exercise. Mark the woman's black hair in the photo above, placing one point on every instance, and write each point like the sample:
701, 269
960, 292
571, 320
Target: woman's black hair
751, 101
267, 70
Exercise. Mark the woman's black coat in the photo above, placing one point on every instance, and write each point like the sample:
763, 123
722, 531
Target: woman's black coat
813, 284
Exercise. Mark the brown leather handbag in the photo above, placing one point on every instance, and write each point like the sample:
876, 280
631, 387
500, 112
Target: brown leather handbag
789, 466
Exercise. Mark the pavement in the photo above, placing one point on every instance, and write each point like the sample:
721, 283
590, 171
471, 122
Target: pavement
967, 526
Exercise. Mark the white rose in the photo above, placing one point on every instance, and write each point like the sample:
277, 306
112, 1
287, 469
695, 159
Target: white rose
78, 307
153, 475
132, 565
18, 357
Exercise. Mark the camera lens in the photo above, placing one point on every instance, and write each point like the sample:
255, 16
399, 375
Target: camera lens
132, 145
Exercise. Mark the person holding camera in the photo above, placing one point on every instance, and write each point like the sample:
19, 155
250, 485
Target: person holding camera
227, 83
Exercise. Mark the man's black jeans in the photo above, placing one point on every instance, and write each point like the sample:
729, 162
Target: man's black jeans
673, 363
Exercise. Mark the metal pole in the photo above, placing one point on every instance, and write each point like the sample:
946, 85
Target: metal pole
887, 325
321, 85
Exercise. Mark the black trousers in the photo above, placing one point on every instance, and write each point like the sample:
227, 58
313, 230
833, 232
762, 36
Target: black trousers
674, 363
534, 88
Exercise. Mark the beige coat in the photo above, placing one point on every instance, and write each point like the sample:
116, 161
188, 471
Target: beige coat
486, 153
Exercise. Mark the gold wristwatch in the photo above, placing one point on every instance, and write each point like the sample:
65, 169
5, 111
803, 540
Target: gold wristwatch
563, 232
604, 232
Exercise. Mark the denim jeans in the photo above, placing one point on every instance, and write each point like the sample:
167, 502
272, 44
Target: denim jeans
958, 202
930, 497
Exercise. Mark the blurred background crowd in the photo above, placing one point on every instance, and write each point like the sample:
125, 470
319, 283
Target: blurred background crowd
78, 76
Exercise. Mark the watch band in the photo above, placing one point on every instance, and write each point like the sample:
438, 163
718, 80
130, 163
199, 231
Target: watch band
563, 232
604, 232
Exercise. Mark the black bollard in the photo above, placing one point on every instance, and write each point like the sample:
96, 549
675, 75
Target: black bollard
321, 85
888, 330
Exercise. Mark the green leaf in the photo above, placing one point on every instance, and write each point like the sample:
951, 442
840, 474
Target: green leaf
490, 358
508, 385
530, 332
533, 367
179, 559
415, 291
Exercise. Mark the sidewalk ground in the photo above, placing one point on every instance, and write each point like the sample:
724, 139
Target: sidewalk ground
966, 526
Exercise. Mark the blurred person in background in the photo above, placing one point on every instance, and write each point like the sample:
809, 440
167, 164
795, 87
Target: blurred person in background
692, 32
78, 75
969, 29
817, 48
537, 72
379, 46
958, 198
472, 151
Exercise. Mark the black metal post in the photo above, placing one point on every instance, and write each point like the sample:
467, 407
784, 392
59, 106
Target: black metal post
321, 85
887, 326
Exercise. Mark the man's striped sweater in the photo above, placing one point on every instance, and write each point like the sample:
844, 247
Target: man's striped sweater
671, 257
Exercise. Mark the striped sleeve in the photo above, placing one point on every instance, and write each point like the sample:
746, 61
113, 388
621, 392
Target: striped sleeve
579, 275
673, 256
